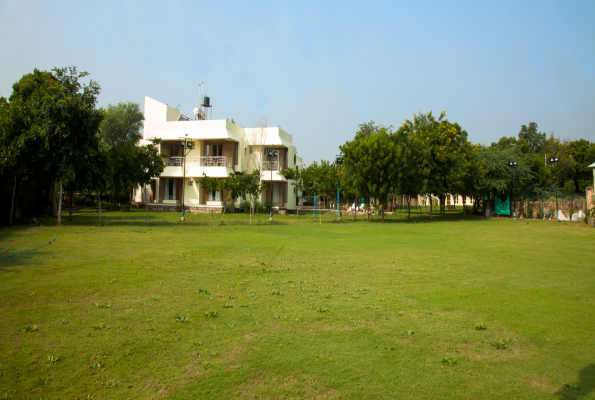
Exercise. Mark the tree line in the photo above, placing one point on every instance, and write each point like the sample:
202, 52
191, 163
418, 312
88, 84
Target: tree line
53, 134
433, 157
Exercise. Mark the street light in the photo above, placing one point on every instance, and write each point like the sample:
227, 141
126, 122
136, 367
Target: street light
186, 145
553, 161
271, 157
339, 162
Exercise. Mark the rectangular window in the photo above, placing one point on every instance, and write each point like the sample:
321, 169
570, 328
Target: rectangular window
171, 150
214, 196
275, 192
207, 148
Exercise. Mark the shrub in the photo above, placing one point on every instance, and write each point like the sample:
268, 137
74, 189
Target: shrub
126, 207
539, 215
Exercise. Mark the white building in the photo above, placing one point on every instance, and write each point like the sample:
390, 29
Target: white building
219, 147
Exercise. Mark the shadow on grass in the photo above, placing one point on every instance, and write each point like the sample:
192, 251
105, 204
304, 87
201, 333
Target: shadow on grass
137, 218
582, 388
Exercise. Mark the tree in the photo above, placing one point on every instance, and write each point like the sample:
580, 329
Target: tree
71, 125
534, 139
149, 164
254, 187
411, 141
501, 178
297, 181
369, 162
120, 134
53, 120
122, 124
473, 182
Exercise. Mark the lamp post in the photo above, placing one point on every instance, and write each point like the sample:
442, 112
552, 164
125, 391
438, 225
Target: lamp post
271, 157
186, 145
512, 165
339, 161
553, 161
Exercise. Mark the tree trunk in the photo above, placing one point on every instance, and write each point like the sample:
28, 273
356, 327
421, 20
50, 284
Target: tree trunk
297, 213
409, 208
99, 199
367, 210
60, 205
146, 203
431, 208
443, 207
14, 189
383, 207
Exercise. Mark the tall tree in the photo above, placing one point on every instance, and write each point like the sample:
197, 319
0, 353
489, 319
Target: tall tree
120, 135
53, 117
534, 139
149, 163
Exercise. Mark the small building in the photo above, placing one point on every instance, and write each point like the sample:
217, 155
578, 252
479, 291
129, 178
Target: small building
219, 147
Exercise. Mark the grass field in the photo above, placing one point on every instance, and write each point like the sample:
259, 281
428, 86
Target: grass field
297, 310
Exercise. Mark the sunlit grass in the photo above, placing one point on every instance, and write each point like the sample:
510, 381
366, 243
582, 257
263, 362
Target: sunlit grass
344, 309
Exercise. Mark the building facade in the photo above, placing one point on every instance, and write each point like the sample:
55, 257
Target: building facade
219, 147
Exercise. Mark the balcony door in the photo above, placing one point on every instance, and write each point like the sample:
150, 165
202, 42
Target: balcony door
170, 189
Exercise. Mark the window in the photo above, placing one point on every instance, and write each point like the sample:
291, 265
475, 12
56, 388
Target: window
190, 182
214, 196
245, 151
294, 159
275, 192
170, 189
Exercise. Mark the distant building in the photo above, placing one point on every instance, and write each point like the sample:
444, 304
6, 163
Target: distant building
220, 147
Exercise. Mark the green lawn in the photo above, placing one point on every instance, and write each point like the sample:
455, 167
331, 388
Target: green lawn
297, 310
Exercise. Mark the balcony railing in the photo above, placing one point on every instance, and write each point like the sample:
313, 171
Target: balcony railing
270, 166
174, 161
214, 161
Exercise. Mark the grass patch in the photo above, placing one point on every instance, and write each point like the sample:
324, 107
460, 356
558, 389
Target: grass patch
344, 309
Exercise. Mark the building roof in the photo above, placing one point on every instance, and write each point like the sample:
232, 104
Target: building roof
592, 165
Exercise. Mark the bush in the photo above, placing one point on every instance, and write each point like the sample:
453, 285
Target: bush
267, 206
108, 206
247, 207
539, 215
126, 207
230, 209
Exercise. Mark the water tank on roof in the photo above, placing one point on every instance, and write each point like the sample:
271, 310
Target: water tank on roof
206, 102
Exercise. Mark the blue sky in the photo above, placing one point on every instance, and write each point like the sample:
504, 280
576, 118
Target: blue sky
318, 69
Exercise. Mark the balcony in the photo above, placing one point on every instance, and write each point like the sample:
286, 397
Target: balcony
214, 161
270, 166
214, 167
174, 161
173, 167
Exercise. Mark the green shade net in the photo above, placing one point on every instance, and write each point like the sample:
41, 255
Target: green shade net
502, 207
